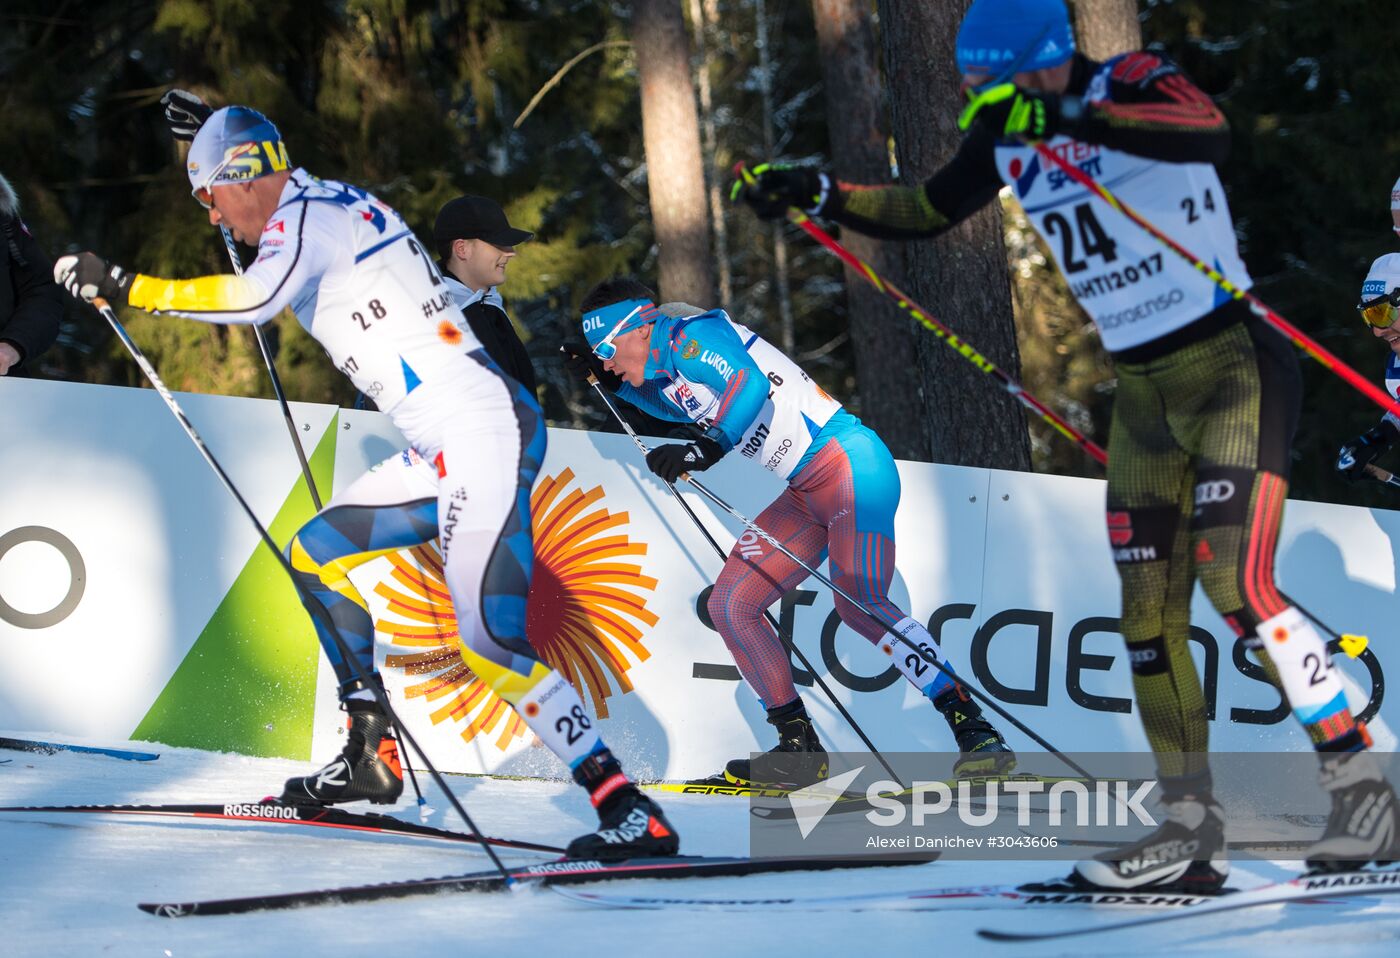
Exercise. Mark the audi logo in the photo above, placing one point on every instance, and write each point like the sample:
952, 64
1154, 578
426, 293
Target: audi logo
1211, 492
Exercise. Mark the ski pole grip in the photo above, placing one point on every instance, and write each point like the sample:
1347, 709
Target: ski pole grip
1376, 472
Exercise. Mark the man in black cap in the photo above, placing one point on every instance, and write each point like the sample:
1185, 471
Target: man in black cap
474, 243
31, 303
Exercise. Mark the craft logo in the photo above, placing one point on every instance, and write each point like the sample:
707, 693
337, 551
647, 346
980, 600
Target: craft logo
586, 614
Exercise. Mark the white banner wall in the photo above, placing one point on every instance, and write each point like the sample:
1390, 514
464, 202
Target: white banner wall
181, 633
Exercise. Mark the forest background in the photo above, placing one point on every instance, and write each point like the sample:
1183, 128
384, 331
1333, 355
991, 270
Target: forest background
609, 128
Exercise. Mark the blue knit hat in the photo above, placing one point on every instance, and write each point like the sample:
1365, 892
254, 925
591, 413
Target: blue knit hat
234, 145
1002, 37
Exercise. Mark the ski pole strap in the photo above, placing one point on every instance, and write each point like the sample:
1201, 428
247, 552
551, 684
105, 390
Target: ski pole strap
1261, 309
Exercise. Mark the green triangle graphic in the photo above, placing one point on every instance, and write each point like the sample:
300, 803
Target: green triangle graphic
248, 684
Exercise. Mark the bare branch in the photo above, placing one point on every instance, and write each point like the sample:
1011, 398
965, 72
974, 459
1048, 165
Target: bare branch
553, 81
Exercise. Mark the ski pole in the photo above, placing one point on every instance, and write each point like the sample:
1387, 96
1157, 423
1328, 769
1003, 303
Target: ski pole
1256, 305
923, 653
266, 351
942, 332
788, 641
1380, 475
314, 607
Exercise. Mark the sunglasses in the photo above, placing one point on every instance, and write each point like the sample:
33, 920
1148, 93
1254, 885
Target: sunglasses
204, 194
606, 348
1381, 311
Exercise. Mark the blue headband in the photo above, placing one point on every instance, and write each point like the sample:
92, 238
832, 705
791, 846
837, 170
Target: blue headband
598, 323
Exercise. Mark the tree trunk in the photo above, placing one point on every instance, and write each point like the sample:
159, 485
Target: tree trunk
671, 133
882, 335
1106, 28
702, 18
962, 276
787, 336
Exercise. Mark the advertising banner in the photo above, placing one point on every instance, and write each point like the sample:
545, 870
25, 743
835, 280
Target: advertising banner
137, 602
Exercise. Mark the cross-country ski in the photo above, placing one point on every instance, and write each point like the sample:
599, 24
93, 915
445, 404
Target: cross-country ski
53, 748
1304, 889
275, 813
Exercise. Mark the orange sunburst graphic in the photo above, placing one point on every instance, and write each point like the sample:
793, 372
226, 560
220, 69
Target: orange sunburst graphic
586, 600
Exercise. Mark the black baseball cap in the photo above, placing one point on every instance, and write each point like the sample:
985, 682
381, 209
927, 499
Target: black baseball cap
475, 217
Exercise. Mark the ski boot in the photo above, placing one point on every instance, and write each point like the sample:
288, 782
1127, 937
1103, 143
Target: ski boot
630, 825
367, 768
798, 760
1186, 854
983, 752
1361, 828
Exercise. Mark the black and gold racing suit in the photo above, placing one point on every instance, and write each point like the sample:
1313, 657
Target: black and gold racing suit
1207, 398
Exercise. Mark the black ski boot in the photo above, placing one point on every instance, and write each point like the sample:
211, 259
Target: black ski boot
1185, 854
630, 825
983, 750
797, 761
367, 768
1361, 828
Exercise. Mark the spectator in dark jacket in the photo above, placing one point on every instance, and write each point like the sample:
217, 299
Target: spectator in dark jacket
31, 303
475, 242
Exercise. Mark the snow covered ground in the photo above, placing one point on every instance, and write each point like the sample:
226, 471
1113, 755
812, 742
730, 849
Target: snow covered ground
69, 884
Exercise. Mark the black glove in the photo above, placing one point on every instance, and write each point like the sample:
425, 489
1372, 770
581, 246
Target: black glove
185, 113
579, 360
88, 276
672, 459
1355, 456
777, 187
1013, 113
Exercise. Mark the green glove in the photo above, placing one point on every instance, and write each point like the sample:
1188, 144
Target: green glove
771, 188
1012, 113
